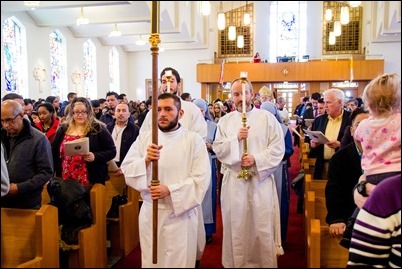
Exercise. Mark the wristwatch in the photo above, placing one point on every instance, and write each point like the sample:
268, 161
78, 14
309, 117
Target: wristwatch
361, 188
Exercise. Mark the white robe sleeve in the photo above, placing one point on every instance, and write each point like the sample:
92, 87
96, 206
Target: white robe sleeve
268, 160
266, 142
189, 192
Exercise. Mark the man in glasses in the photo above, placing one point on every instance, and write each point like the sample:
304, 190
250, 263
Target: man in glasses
29, 158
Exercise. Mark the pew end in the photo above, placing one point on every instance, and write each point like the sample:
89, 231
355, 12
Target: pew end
28, 237
91, 249
124, 234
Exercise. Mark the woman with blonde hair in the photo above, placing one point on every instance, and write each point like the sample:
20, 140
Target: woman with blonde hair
218, 111
91, 167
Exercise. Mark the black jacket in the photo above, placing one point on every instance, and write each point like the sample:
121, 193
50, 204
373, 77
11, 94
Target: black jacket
29, 165
320, 124
343, 174
100, 143
128, 137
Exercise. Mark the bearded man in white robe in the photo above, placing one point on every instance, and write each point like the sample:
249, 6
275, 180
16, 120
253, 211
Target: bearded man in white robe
192, 120
250, 208
183, 172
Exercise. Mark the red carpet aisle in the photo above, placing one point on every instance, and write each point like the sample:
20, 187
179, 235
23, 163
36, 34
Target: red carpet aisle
295, 252
294, 257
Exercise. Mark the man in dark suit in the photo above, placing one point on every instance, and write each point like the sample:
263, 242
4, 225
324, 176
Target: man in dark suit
312, 113
333, 125
343, 174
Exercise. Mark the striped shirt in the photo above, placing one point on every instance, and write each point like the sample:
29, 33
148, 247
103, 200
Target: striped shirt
376, 239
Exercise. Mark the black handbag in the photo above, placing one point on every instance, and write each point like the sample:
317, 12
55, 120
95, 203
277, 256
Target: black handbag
117, 200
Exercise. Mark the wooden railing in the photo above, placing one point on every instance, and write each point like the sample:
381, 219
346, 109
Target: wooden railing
363, 70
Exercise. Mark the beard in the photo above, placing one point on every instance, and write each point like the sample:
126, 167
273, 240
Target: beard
171, 125
239, 106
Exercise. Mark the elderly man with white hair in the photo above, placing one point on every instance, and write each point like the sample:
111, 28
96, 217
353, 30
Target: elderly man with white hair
332, 125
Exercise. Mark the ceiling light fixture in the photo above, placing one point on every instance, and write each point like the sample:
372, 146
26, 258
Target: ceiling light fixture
232, 33
240, 41
344, 15
337, 28
332, 38
115, 32
221, 18
82, 19
246, 18
232, 27
328, 14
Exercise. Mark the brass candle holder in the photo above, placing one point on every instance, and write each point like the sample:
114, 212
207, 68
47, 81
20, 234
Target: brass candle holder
245, 172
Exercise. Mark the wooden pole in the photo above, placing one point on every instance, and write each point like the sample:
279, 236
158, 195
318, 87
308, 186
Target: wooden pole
154, 41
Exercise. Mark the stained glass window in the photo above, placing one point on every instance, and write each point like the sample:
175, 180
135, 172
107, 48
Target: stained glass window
15, 60
58, 74
288, 29
90, 87
114, 71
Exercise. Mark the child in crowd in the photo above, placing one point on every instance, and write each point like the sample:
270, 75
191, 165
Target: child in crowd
379, 136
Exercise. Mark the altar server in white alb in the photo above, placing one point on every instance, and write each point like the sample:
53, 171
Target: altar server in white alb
250, 208
192, 120
184, 175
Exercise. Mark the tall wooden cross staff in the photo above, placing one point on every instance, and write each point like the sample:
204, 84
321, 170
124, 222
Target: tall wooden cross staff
154, 40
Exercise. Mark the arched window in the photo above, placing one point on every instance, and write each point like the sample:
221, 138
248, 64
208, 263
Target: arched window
15, 57
288, 29
58, 74
114, 70
90, 87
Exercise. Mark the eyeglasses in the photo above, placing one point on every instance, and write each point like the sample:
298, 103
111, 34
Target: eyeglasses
9, 121
80, 112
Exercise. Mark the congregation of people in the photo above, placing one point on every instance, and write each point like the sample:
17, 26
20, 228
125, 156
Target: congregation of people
200, 153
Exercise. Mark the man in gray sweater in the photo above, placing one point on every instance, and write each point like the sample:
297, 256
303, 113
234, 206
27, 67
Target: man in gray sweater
29, 158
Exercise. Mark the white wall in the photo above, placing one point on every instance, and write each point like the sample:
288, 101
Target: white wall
135, 67
140, 66
39, 55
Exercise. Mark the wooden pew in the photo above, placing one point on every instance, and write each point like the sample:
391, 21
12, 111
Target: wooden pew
92, 240
308, 164
29, 238
124, 234
316, 185
309, 214
324, 249
315, 208
91, 248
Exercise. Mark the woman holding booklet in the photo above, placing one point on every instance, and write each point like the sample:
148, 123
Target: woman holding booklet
74, 161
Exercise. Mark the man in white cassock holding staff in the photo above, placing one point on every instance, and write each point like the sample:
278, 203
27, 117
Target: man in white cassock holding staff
184, 171
192, 120
250, 208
